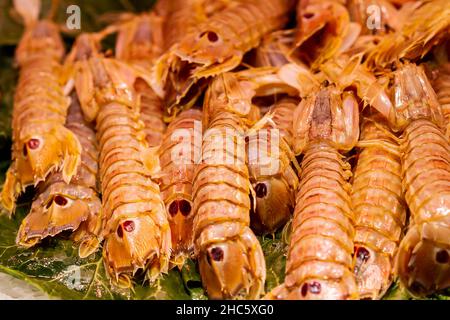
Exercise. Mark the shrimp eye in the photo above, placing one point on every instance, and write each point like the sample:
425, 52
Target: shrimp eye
313, 287
119, 231
185, 207
362, 254
25, 150
211, 35
216, 254
33, 143
173, 208
261, 190
308, 15
60, 200
442, 256
128, 226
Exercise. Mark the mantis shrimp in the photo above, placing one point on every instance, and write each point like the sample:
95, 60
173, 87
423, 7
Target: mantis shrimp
275, 181
423, 257
217, 45
137, 233
75, 206
319, 262
179, 153
230, 257
378, 202
41, 143
138, 43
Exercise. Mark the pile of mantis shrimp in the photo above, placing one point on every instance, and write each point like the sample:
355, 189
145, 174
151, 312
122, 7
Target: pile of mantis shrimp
350, 98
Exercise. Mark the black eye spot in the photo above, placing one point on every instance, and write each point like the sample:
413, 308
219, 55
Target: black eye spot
216, 254
185, 207
173, 208
25, 150
362, 254
442, 256
308, 15
304, 289
60, 200
313, 287
119, 231
261, 190
212, 36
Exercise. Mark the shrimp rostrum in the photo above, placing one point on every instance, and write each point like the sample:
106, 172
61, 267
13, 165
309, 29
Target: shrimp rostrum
319, 262
230, 257
137, 233
41, 143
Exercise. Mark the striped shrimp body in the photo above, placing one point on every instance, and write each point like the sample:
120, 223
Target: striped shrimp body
137, 233
139, 43
319, 262
230, 257
75, 206
423, 262
178, 154
41, 143
380, 212
442, 87
274, 179
218, 44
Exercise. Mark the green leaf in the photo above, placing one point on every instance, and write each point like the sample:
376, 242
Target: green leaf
275, 254
55, 268
192, 281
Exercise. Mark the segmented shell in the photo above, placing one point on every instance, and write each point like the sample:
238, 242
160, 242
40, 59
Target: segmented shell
179, 153
319, 264
423, 258
230, 257
272, 172
380, 212
41, 143
137, 233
